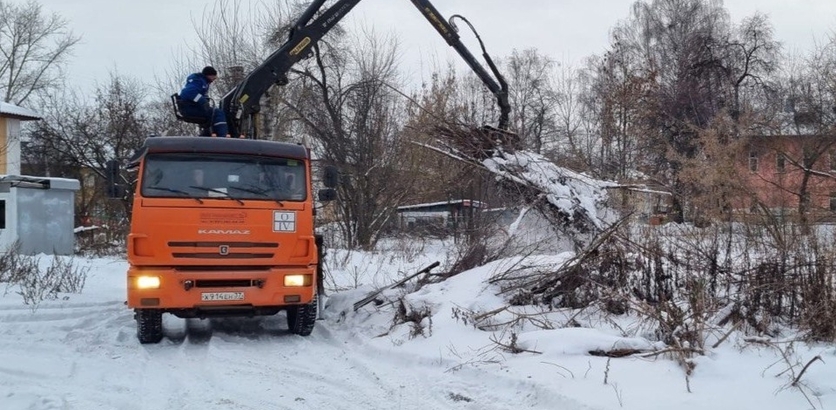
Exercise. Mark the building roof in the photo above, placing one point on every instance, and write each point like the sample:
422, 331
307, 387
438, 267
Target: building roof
26, 181
20, 113
456, 202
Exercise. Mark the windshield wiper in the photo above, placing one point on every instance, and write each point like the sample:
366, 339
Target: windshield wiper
176, 191
258, 192
226, 194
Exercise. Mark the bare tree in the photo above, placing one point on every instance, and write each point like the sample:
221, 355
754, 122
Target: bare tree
438, 101
230, 34
78, 136
532, 97
753, 54
623, 97
347, 103
572, 117
34, 47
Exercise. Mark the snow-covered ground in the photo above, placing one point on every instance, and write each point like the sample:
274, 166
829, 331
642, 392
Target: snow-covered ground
80, 352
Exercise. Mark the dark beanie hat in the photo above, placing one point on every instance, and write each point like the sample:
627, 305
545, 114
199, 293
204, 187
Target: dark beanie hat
209, 70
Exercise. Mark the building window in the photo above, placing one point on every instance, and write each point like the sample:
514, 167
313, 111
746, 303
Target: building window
3, 213
753, 161
833, 160
780, 162
833, 201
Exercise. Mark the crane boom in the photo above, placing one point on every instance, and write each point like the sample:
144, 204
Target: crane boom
241, 104
498, 86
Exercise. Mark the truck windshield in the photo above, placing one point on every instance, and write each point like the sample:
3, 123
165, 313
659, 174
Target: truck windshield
218, 176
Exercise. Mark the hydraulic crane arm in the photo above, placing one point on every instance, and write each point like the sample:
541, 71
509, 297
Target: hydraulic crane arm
241, 104
498, 87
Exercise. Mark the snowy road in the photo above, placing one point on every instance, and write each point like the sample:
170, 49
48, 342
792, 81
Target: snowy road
82, 353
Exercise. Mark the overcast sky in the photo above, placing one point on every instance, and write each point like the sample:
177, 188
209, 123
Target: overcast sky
137, 38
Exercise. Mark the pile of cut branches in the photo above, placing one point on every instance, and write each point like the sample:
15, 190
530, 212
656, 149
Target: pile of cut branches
569, 200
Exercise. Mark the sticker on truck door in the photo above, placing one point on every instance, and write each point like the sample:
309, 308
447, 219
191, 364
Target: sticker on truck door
284, 221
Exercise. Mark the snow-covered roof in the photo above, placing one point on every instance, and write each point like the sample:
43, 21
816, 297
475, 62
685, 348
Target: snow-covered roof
26, 181
13, 111
463, 202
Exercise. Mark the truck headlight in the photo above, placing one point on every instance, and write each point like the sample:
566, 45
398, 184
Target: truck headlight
298, 280
148, 282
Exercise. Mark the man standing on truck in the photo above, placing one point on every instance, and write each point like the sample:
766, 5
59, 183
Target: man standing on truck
194, 101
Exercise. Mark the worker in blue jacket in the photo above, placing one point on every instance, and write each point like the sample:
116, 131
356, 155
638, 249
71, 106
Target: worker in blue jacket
194, 101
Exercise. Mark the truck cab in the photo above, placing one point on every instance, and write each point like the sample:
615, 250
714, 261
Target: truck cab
222, 227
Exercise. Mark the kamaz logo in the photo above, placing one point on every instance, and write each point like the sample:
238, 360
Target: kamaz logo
223, 232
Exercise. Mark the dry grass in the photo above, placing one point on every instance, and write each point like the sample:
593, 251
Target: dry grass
36, 284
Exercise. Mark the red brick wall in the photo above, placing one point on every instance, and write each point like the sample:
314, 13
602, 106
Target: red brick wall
778, 189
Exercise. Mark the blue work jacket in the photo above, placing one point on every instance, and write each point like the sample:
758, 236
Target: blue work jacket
196, 89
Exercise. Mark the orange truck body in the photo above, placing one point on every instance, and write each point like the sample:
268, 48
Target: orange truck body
225, 253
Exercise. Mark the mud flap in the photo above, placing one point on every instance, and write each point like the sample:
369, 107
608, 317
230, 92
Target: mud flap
320, 275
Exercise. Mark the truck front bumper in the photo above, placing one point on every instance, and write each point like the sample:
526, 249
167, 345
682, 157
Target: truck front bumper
210, 290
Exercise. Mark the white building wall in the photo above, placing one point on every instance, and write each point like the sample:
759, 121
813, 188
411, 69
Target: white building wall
42, 220
47, 224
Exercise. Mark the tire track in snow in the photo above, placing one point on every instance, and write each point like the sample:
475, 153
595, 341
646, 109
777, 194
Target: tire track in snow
274, 368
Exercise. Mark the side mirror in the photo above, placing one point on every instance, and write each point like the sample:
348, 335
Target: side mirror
112, 175
327, 194
331, 176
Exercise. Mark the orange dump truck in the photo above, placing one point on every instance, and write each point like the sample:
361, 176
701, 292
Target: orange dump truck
223, 227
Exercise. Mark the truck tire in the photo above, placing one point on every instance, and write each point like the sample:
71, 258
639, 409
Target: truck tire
301, 319
149, 325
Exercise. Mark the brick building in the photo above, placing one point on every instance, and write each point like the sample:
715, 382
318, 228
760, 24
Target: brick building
779, 170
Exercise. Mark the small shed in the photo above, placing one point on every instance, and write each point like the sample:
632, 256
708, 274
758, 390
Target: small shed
443, 216
39, 213
36, 212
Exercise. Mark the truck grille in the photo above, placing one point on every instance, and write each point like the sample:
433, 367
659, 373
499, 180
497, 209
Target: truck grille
231, 255
200, 268
223, 250
225, 283
219, 244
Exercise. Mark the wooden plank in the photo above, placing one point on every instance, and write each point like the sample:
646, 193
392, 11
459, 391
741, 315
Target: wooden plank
371, 296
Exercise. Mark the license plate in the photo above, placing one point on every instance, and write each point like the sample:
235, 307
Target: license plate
221, 296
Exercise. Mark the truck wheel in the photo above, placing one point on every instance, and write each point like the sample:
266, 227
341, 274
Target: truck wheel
301, 319
149, 325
